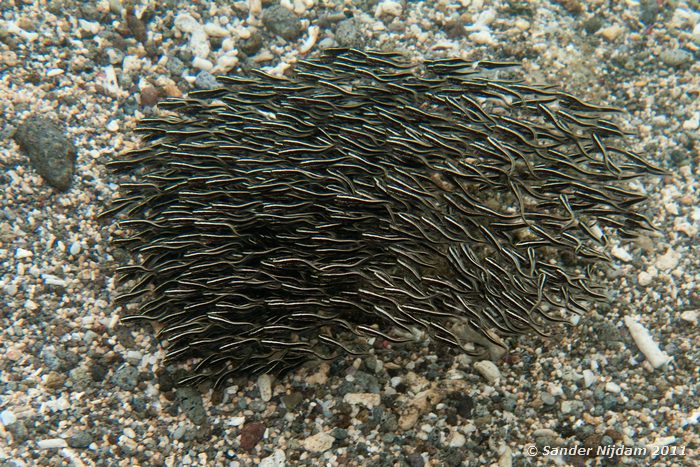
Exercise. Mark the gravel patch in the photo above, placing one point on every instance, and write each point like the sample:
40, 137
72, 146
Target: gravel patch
79, 387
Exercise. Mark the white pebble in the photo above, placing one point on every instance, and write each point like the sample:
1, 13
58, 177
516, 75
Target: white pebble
644, 278
300, 6
50, 279
481, 37
611, 32
51, 72
127, 442
691, 419
645, 343
202, 64
486, 17
131, 63
457, 440
588, 378
692, 123
214, 30
612, 387
113, 126
621, 254
567, 407
52, 443
506, 458
74, 248
254, 7
364, 398
691, 316
319, 442
522, 24
668, 260
199, 43
129, 432
10, 289
236, 421
92, 27
555, 390
199, 40
186, 22
388, 8
227, 62
488, 370
545, 433
265, 387
7, 417
21, 253
277, 459
13, 28
134, 357
696, 33
228, 45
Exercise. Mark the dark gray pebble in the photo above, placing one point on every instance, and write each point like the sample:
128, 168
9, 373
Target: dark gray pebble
190, 402
463, 404
139, 404
51, 360
292, 400
609, 402
453, 457
347, 34
547, 398
593, 24
364, 382
252, 44
126, 377
339, 433
165, 379
648, 11
98, 372
19, 431
80, 378
390, 423
206, 80
80, 440
258, 406
50, 152
179, 432
676, 57
174, 66
415, 460
282, 22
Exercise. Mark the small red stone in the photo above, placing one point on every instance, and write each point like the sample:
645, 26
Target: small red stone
150, 96
251, 434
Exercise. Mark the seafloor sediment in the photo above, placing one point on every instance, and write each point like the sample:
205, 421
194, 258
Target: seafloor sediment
78, 387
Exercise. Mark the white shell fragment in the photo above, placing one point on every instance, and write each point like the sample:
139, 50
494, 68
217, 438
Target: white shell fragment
645, 343
265, 387
311, 40
52, 443
488, 370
